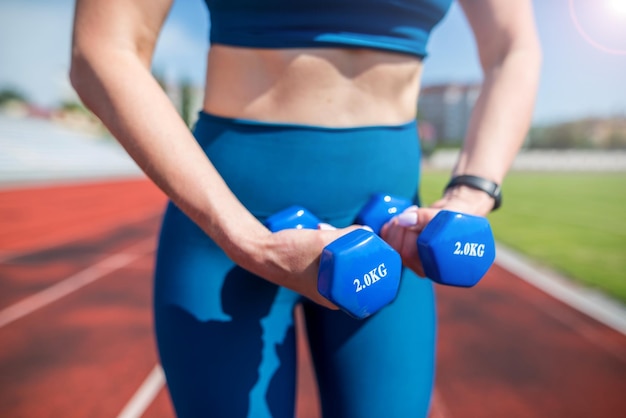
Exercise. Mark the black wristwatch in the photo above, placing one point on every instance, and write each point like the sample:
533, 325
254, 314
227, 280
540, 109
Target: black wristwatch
478, 183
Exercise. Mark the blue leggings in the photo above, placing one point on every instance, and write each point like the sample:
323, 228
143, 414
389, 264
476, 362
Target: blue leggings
226, 338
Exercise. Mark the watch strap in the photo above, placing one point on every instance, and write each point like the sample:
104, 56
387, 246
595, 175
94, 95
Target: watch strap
478, 183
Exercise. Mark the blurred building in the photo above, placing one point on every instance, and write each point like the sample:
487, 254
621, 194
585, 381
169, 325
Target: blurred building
448, 107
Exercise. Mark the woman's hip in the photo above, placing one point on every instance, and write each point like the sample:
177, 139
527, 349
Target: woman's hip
330, 171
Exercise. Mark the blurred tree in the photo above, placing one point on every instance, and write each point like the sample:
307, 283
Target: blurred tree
617, 139
73, 106
186, 100
11, 95
596, 133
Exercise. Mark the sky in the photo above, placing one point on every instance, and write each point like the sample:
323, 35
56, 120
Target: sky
583, 41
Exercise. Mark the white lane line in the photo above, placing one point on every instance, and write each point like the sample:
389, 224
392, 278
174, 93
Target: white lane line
594, 304
74, 282
145, 394
6, 256
438, 409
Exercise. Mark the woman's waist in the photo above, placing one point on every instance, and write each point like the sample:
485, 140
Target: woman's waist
326, 87
331, 171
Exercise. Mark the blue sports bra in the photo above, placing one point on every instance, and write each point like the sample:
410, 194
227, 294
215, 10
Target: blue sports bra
393, 25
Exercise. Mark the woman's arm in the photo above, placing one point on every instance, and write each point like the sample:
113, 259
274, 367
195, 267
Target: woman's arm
112, 49
510, 57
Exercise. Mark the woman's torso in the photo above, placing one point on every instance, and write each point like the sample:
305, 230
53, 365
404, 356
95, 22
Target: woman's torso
333, 87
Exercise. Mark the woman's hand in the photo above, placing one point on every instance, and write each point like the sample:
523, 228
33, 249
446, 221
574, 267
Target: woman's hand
402, 231
291, 258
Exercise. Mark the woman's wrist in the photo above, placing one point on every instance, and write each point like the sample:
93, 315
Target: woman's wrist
245, 244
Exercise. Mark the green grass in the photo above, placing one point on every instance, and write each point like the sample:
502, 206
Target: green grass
574, 223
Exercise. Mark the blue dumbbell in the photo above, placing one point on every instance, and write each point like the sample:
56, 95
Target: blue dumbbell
456, 249
359, 272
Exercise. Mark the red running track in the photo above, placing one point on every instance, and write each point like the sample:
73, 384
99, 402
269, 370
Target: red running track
76, 334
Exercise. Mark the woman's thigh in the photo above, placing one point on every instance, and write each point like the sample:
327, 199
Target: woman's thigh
379, 367
226, 338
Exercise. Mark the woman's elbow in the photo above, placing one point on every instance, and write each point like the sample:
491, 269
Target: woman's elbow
85, 77
531, 58
531, 47
80, 72
526, 52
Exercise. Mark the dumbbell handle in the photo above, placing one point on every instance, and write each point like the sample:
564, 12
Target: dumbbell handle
375, 215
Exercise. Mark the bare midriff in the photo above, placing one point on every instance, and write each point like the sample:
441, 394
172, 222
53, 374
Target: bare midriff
323, 87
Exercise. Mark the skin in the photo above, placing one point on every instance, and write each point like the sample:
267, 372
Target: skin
112, 48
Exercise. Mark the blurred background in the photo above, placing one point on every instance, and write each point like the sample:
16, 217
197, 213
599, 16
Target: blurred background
584, 46
563, 215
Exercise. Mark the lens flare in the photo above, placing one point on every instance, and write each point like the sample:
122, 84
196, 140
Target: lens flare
617, 8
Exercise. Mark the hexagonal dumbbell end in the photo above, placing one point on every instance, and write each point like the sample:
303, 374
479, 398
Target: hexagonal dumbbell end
293, 217
379, 209
360, 273
456, 249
